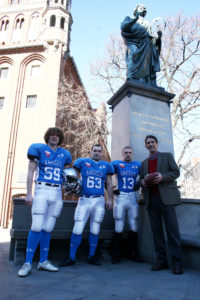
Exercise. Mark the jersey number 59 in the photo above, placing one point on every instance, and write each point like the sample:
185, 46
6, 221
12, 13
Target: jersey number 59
51, 173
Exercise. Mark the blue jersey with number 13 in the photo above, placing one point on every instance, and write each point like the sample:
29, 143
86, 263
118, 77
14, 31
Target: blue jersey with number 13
127, 173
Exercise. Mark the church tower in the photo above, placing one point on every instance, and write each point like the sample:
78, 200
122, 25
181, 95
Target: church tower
34, 38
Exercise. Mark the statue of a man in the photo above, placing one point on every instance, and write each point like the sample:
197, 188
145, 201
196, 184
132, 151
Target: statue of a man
143, 50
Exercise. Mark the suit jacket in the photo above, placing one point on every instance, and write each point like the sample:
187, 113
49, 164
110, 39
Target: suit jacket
167, 188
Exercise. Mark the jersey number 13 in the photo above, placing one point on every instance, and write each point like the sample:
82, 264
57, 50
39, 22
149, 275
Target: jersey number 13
128, 183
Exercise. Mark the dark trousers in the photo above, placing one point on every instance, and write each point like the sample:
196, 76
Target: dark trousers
157, 210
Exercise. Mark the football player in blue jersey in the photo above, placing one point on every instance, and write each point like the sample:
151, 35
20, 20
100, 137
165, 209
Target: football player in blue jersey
47, 162
127, 173
96, 174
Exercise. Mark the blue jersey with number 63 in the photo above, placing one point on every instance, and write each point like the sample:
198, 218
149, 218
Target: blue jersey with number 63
127, 173
50, 162
93, 175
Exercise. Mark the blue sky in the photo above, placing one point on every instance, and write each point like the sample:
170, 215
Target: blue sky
95, 20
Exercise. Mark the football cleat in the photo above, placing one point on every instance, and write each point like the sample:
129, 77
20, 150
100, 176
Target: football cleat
67, 262
25, 270
47, 266
93, 260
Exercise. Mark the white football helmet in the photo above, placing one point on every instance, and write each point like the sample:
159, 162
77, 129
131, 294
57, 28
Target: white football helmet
71, 182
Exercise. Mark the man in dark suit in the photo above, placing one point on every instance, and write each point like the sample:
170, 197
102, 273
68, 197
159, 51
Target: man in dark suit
160, 199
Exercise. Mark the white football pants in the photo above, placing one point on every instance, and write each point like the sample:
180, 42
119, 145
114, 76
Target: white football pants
125, 202
47, 206
89, 207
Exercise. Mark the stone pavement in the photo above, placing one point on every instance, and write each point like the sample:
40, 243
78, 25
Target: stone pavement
125, 281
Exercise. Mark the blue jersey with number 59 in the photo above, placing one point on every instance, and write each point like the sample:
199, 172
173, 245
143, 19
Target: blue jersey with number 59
50, 162
93, 175
127, 173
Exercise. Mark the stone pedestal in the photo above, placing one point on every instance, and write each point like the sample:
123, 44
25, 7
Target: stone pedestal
139, 110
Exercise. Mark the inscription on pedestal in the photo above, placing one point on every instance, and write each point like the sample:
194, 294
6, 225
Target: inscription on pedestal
151, 124
148, 116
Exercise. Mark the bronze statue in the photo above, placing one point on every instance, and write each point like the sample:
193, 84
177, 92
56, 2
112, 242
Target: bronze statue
143, 49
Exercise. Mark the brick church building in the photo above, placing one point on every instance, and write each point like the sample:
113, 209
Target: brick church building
34, 60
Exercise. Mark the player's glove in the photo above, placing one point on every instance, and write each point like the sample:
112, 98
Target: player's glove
116, 192
137, 186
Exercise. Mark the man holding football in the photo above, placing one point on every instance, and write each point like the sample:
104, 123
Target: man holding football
47, 162
161, 195
96, 175
127, 173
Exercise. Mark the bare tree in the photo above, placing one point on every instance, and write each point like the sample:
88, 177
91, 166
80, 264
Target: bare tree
180, 66
82, 125
181, 75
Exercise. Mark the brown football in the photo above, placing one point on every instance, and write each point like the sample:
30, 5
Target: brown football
149, 179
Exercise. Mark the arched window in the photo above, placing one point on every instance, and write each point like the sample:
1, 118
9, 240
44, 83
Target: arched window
19, 27
69, 4
62, 23
52, 20
34, 27
21, 23
7, 24
4, 23
17, 24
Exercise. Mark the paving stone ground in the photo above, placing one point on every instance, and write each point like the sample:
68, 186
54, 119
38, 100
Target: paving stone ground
125, 281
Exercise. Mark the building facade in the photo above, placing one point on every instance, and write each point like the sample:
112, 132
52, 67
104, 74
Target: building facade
34, 61
34, 38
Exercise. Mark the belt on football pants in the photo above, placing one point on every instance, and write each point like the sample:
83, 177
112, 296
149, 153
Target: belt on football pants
48, 184
125, 193
93, 196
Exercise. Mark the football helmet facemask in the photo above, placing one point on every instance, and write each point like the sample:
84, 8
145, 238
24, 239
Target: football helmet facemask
71, 183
